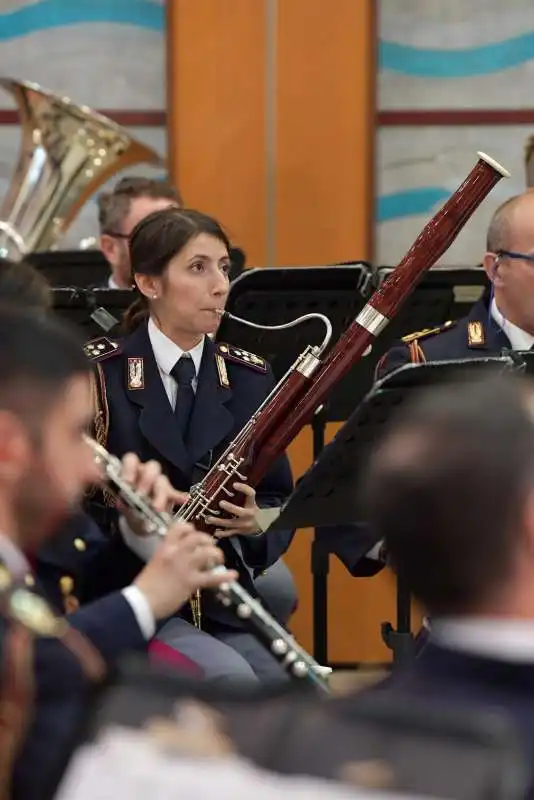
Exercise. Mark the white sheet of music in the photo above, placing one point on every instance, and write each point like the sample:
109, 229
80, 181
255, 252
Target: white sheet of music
124, 763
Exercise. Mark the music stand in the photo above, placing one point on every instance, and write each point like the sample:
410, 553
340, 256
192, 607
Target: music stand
96, 312
275, 295
328, 493
83, 268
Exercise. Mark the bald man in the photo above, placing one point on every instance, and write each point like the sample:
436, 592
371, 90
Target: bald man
503, 318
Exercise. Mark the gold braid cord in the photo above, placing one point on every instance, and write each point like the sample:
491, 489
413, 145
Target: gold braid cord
101, 422
416, 353
16, 699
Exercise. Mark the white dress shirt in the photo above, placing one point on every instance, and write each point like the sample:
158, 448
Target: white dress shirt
166, 354
112, 283
496, 638
518, 338
18, 565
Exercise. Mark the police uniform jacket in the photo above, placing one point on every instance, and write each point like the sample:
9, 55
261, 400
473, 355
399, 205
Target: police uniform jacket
451, 678
80, 564
474, 336
62, 691
134, 414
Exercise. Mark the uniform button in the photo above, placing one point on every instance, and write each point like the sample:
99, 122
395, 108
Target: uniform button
66, 584
80, 545
5, 578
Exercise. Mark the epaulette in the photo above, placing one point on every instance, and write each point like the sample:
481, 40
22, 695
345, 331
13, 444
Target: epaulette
101, 348
239, 356
428, 332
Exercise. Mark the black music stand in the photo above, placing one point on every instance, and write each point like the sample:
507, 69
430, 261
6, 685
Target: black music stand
275, 295
82, 268
329, 492
96, 312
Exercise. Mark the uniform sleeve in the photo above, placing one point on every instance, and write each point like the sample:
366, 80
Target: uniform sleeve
397, 357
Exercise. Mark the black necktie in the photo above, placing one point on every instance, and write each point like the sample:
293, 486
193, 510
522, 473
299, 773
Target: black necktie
183, 373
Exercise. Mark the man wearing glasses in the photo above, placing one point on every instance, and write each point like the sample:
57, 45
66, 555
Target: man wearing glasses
119, 211
504, 316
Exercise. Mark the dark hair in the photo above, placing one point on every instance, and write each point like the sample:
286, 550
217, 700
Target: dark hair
21, 285
38, 356
156, 240
113, 207
446, 490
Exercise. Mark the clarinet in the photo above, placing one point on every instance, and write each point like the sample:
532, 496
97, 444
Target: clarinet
292, 657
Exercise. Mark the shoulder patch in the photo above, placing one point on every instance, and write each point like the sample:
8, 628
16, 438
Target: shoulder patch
239, 356
101, 348
411, 337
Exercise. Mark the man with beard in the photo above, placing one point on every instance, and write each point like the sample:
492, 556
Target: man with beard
46, 405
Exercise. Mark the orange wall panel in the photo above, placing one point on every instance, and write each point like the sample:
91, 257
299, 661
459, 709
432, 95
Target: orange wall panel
216, 136
324, 142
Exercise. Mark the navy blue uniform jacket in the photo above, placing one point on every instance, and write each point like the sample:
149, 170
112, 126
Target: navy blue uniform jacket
62, 691
231, 386
474, 336
441, 675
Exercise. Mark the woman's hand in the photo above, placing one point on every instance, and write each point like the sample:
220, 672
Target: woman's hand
147, 480
244, 520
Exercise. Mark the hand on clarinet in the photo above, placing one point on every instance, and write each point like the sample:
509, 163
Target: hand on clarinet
147, 479
244, 517
181, 564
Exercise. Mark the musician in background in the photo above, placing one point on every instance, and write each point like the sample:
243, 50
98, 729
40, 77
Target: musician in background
503, 319
119, 211
451, 492
46, 404
168, 393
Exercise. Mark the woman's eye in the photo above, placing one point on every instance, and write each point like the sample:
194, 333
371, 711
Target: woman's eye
197, 266
225, 268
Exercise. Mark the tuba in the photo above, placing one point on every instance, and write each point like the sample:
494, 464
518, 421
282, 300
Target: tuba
67, 152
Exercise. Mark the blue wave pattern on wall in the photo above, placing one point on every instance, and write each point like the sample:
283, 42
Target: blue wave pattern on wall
461, 63
409, 202
48, 14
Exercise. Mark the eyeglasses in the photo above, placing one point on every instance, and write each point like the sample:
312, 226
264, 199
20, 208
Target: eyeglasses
520, 256
117, 235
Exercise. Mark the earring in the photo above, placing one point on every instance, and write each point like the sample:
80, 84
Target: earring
154, 297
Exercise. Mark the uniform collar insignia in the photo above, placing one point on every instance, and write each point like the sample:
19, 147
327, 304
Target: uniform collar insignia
101, 348
136, 373
475, 334
222, 371
238, 356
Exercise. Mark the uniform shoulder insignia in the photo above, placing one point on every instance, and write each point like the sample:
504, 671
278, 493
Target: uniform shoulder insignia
411, 337
101, 348
239, 356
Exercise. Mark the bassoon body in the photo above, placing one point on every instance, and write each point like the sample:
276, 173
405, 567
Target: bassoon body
292, 403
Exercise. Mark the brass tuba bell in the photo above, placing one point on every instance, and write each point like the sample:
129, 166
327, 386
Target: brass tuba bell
67, 152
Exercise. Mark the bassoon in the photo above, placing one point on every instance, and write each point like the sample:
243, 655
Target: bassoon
293, 402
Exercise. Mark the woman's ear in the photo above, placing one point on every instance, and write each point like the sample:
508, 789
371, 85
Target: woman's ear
148, 285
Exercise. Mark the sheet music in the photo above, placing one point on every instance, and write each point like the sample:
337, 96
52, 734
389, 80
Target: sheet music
125, 763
